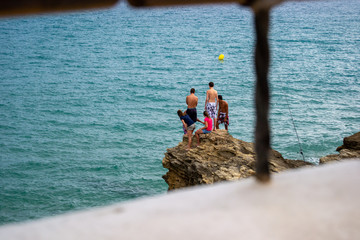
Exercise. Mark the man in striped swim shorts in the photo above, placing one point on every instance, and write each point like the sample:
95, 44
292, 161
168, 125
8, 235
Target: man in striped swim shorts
211, 103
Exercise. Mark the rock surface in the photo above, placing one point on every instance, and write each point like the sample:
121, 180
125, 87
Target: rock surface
219, 157
349, 149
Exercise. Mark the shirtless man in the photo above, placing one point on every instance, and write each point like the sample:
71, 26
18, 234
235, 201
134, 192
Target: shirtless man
211, 102
223, 114
192, 102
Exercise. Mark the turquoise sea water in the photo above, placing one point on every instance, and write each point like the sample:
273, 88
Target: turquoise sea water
88, 100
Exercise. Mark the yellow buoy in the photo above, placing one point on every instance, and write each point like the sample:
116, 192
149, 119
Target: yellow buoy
221, 57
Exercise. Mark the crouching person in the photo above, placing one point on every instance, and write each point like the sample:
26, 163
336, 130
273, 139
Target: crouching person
189, 125
206, 129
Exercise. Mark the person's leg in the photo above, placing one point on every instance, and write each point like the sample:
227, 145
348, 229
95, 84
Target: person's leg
197, 134
226, 123
214, 125
189, 138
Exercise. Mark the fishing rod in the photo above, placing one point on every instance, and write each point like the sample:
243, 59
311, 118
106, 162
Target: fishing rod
292, 119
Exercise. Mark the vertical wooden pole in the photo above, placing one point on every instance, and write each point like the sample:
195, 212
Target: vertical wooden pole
262, 96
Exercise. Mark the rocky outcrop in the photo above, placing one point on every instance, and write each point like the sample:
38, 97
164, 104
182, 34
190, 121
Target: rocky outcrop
349, 149
219, 157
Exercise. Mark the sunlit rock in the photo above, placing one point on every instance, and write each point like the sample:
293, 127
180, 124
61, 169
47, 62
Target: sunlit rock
349, 149
219, 157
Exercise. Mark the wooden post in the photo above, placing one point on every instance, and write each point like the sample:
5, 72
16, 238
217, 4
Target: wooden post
262, 96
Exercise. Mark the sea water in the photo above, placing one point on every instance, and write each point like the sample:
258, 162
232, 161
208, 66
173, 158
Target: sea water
88, 100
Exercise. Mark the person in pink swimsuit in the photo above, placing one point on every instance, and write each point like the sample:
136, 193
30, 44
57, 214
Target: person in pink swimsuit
206, 129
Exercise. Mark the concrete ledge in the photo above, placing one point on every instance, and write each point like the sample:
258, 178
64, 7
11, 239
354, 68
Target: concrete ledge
311, 203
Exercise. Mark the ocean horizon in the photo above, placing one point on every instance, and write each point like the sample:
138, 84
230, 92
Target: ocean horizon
89, 99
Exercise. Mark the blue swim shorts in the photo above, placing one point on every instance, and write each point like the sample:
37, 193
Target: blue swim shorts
205, 131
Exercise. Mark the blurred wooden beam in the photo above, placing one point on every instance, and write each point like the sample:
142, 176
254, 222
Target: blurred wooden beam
254, 4
25, 7
154, 3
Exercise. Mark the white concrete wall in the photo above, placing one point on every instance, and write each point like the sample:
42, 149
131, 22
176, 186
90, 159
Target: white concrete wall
310, 203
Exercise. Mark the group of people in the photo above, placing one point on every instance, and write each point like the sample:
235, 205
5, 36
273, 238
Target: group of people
216, 112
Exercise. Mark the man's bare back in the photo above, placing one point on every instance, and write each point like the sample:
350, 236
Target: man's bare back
211, 95
192, 100
223, 107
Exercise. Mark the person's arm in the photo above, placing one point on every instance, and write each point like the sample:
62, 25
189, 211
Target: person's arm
187, 100
207, 95
200, 121
227, 110
217, 101
185, 125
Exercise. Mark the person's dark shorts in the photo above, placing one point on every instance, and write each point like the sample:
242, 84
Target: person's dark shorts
192, 113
